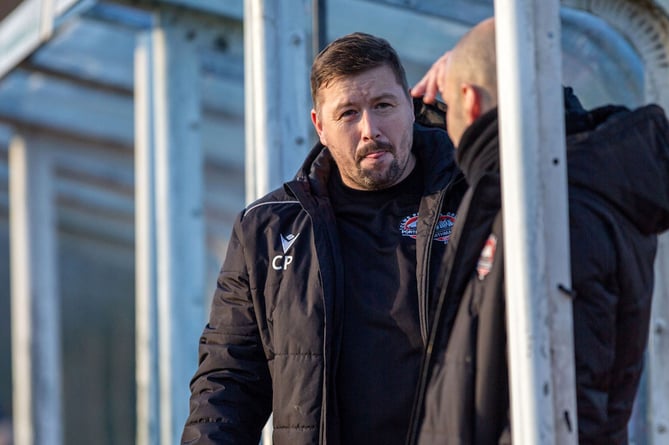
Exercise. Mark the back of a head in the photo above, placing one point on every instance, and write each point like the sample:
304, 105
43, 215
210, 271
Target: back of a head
474, 60
353, 54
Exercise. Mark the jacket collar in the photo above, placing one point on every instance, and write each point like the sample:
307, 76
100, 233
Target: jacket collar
478, 151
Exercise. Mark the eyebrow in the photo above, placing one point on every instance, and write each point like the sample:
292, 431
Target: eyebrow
380, 97
386, 96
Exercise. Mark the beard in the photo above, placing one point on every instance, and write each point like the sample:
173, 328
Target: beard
374, 179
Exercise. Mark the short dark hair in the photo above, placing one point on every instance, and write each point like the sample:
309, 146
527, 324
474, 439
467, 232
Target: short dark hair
353, 54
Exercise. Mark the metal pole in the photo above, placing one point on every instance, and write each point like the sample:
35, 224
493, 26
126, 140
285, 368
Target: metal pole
319, 23
171, 289
658, 349
278, 54
35, 318
180, 233
657, 91
539, 324
146, 299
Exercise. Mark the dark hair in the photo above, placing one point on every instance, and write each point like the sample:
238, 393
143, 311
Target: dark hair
353, 54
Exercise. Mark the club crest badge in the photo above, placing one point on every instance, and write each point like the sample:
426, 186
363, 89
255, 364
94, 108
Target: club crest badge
444, 227
409, 226
487, 257
442, 233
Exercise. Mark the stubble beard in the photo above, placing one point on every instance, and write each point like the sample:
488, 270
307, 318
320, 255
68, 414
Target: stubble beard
374, 179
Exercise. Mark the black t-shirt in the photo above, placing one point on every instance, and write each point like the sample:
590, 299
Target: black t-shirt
381, 345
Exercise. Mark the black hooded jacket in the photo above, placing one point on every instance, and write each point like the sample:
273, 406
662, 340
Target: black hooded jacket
274, 333
618, 176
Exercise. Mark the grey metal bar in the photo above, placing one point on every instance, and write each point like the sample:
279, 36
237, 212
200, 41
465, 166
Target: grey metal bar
35, 317
146, 300
658, 350
534, 191
278, 54
170, 227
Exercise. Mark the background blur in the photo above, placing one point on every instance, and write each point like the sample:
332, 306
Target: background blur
74, 95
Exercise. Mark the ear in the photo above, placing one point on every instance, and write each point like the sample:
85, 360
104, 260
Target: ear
318, 126
471, 103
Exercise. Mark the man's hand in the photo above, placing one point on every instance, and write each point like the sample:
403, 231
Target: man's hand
431, 83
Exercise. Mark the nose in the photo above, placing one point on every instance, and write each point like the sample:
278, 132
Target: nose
369, 129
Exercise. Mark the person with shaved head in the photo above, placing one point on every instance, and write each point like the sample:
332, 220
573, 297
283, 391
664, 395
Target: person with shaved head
618, 191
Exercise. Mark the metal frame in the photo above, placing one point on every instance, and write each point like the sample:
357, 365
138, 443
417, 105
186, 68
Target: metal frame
534, 196
35, 314
170, 251
278, 49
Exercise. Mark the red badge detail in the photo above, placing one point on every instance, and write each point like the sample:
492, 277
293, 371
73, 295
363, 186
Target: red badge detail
487, 257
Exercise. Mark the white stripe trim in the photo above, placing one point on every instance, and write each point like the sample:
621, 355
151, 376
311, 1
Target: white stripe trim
269, 203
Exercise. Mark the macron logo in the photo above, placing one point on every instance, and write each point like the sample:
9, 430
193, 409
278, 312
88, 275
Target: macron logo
287, 241
280, 262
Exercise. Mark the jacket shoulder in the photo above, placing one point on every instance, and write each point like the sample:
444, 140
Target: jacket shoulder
624, 160
271, 202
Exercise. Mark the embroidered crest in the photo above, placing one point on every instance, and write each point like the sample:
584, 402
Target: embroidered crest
409, 226
444, 227
442, 233
487, 257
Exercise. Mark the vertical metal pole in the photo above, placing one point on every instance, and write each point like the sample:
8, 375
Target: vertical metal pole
543, 405
172, 286
36, 352
179, 202
319, 26
278, 54
657, 91
658, 349
146, 300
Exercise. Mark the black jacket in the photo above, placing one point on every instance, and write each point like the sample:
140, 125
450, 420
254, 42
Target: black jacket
618, 174
272, 340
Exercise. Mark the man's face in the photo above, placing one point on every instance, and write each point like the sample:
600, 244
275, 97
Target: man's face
366, 120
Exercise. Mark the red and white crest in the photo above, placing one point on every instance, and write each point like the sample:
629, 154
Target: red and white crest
487, 257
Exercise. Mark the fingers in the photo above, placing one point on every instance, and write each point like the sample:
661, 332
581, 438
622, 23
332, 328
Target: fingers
419, 89
428, 86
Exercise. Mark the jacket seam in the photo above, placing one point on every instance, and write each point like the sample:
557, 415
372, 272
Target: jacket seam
255, 206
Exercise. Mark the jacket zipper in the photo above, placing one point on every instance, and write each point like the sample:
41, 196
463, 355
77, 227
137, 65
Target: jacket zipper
424, 296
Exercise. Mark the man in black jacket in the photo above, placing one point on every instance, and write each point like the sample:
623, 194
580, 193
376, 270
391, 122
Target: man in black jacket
323, 301
618, 176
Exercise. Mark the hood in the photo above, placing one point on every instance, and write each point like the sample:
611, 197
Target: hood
623, 156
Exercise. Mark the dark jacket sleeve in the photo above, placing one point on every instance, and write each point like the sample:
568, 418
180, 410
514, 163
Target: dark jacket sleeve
231, 390
594, 310
612, 274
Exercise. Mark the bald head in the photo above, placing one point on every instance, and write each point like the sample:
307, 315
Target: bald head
474, 60
469, 85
